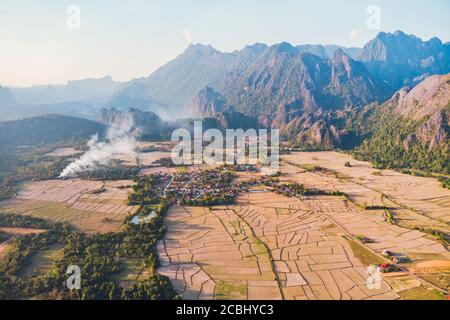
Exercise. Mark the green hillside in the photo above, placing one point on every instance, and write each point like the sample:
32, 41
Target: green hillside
47, 129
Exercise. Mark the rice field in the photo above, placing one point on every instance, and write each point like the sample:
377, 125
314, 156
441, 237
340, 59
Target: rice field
254, 251
271, 247
90, 206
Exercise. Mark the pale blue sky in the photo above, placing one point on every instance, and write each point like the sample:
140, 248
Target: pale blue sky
128, 39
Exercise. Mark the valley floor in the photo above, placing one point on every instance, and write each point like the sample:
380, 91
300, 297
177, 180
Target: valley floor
271, 247
91, 206
268, 246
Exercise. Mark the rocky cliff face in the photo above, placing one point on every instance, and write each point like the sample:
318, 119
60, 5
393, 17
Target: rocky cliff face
430, 96
295, 92
411, 130
429, 104
172, 87
146, 124
434, 132
259, 80
328, 51
313, 131
352, 84
282, 78
207, 103
404, 60
306, 91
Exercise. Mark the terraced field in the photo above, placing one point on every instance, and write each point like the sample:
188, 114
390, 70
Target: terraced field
267, 246
271, 247
91, 206
213, 254
370, 187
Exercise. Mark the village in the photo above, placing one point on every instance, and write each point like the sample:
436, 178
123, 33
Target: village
208, 187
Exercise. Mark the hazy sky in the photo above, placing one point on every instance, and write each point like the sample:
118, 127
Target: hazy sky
128, 39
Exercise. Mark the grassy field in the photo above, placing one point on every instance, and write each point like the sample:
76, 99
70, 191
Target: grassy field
363, 254
421, 293
42, 261
441, 280
132, 271
231, 291
5, 247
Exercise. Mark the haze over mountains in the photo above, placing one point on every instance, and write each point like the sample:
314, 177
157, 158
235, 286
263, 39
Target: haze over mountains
390, 97
401, 59
394, 59
76, 90
6, 97
79, 97
257, 80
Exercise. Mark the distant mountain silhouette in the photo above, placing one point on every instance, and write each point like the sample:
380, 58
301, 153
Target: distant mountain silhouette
405, 60
47, 129
388, 62
6, 97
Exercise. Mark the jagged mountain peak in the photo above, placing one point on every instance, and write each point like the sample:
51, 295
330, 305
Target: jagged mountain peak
283, 47
261, 79
342, 67
200, 47
207, 103
404, 60
341, 57
255, 48
396, 47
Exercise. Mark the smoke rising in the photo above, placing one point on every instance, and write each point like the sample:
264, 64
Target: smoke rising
120, 139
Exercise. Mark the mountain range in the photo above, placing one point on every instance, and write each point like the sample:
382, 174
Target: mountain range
319, 96
306, 75
411, 130
76, 90
259, 80
83, 98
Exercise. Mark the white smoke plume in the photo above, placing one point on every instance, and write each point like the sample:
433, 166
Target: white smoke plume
120, 139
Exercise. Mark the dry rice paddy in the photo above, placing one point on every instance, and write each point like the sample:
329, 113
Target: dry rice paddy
64, 152
272, 247
254, 251
267, 246
425, 195
11, 232
91, 206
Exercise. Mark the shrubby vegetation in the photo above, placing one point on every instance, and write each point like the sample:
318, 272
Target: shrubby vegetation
110, 173
27, 164
444, 237
445, 181
47, 129
99, 257
384, 134
146, 191
20, 221
299, 190
166, 162
210, 200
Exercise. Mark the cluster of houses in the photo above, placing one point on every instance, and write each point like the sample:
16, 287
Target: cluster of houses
243, 168
396, 258
388, 268
190, 186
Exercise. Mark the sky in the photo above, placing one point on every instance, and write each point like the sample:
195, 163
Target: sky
48, 42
